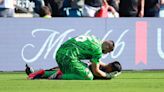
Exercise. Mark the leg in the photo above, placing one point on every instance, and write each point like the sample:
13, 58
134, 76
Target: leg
75, 71
74, 76
36, 75
71, 67
45, 74
42, 74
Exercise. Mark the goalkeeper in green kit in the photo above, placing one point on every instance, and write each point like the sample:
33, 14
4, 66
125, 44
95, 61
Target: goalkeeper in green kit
83, 47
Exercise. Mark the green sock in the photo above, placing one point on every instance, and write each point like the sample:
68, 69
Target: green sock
47, 74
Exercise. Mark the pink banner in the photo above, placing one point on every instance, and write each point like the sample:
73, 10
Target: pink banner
141, 42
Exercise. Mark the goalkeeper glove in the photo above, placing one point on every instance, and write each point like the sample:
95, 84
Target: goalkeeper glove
112, 74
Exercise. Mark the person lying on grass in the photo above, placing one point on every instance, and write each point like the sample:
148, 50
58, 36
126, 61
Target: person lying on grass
113, 68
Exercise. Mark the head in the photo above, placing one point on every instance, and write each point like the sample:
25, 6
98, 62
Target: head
45, 10
107, 46
114, 66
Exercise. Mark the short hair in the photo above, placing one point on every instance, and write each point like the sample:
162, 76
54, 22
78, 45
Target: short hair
110, 43
113, 43
116, 66
45, 10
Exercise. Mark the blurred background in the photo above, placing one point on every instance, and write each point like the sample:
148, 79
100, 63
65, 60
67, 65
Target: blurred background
82, 8
26, 36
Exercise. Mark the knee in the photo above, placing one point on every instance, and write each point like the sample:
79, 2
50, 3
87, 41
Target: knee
89, 76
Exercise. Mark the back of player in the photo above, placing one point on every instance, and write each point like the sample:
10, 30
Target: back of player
72, 51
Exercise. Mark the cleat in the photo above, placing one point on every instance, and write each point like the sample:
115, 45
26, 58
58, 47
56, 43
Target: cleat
29, 70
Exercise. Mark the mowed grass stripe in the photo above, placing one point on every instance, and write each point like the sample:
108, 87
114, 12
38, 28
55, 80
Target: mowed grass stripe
135, 81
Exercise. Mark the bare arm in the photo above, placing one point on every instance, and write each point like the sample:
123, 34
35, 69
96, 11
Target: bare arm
102, 64
142, 5
96, 70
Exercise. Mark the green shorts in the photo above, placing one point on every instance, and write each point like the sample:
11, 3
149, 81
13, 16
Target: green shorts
69, 65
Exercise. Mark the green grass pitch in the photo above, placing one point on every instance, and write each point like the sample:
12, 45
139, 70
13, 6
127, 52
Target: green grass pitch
128, 81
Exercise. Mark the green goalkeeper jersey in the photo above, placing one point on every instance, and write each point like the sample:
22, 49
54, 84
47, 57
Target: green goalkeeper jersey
82, 47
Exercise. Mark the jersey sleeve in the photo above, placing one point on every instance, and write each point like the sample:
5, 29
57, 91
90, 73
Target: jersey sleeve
95, 59
96, 56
